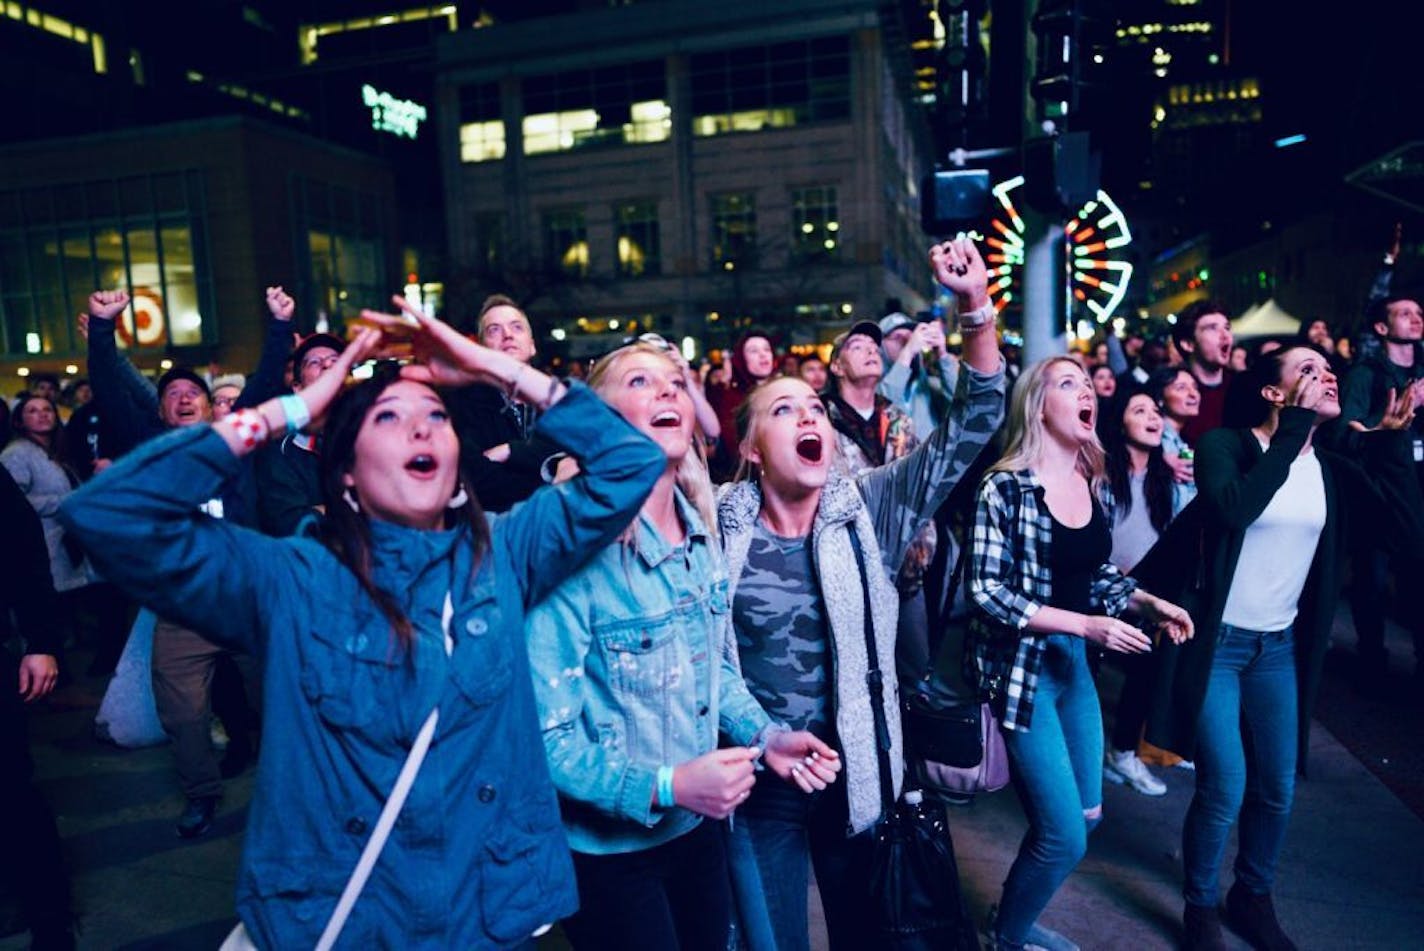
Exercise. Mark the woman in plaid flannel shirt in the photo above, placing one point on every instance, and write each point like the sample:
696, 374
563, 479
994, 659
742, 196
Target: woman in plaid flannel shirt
1043, 587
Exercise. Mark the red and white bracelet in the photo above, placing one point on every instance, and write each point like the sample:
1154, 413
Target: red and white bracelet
249, 427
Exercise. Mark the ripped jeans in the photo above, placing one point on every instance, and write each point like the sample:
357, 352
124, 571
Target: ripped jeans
1058, 773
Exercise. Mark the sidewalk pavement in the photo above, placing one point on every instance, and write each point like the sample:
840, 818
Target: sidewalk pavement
1351, 877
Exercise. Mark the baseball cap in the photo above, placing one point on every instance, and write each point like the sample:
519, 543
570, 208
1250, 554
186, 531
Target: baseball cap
868, 328
183, 373
311, 343
893, 322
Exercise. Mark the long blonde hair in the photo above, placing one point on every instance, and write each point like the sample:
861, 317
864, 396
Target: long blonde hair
748, 418
1023, 432
692, 477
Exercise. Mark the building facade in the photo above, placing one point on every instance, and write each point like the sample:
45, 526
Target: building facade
684, 168
194, 219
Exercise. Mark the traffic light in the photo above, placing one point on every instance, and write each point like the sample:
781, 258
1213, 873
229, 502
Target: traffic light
1061, 172
963, 85
1067, 36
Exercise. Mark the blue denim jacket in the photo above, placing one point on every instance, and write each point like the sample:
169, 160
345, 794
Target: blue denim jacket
633, 670
477, 858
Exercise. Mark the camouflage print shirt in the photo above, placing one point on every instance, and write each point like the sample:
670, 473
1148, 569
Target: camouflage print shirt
781, 632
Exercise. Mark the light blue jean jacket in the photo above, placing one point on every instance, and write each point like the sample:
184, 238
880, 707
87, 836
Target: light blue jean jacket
634, 669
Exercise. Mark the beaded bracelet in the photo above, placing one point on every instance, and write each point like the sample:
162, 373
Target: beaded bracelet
666, 797
249, 427
296, 410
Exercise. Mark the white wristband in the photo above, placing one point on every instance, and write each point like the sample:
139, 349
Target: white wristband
973, 319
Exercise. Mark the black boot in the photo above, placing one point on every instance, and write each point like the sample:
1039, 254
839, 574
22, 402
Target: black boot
197, 816
1253, 916
1203, 928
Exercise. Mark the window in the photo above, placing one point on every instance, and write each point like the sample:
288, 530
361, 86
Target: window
481, 124
637, 235
733, 229
588, 108
766, 87
816, 223
145, 234
489, 243
346, 253
566, 242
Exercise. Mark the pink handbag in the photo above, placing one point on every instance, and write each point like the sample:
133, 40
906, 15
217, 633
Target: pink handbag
959, 783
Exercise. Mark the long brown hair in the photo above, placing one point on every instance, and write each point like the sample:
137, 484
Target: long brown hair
55, 448
347, 532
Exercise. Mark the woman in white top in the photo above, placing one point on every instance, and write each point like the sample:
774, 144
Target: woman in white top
1267, 553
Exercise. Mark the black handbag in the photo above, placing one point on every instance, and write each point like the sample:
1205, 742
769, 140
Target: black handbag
952, 734
914, 878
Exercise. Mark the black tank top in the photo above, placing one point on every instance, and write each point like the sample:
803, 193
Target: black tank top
1076, 556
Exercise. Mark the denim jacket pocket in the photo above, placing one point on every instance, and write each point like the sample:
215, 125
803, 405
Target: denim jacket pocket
483, 661
342, 668
527, 860
641, 655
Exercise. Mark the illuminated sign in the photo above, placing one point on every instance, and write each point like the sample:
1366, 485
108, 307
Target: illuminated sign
389, 114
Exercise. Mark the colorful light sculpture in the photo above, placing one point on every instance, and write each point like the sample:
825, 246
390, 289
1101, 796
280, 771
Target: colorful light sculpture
1098, 273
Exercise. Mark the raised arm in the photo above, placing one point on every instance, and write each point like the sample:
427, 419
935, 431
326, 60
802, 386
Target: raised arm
904, 494
561, 525
140, 523
126, 395
266, 380
1238, 496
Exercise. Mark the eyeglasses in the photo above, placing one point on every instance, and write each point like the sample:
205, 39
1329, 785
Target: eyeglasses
325, 363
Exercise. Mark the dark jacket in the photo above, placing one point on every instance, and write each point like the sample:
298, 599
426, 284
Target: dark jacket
26, 591
288, 481
1194, 561
483, 419
130, 402
478, 857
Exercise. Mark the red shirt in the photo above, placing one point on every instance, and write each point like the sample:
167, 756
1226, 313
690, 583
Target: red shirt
1213, 408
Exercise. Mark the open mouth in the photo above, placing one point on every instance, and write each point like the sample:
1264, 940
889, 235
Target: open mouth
667, 419
422, 464
809, 447
1085, 415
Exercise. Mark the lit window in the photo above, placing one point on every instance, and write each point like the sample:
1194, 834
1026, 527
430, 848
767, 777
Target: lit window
733, 229
482, 141
816, 223
589, 108
637, 237
566, 242
766, 87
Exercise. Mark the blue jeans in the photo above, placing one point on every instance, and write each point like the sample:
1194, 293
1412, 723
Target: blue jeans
1245, 758
1058, 772
777, 836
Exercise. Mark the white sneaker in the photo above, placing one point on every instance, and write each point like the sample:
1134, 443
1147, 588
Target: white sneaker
1124, 767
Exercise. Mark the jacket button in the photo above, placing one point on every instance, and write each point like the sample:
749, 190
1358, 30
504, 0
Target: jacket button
356, 826
486, 793
476, 626
647, 642
702, 710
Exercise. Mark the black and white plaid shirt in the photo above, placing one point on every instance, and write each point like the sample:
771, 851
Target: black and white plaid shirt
1009, 580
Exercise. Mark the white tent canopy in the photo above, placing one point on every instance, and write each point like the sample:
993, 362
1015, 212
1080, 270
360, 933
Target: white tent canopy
1265, 320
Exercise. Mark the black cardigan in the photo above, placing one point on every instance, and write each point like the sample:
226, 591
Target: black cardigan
1194, 561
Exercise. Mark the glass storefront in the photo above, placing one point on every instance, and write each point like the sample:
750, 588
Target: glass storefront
144, 234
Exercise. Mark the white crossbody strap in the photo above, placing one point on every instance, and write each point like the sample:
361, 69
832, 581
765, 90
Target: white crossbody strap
389, 812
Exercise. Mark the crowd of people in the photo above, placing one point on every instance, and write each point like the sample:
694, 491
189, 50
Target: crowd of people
605, 646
